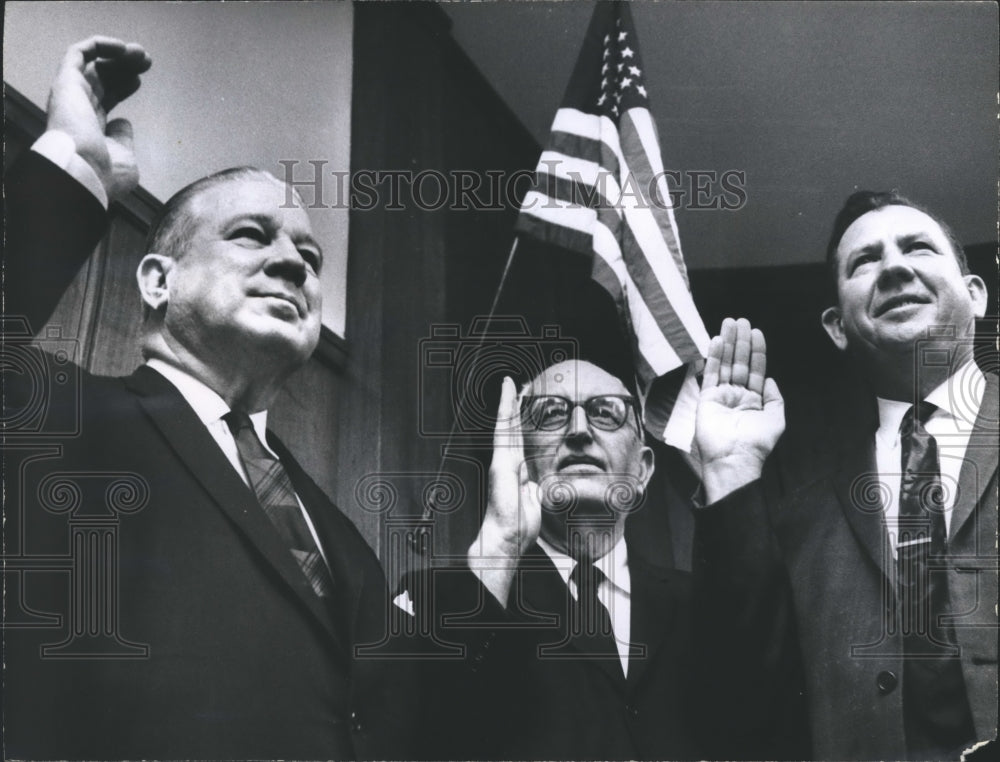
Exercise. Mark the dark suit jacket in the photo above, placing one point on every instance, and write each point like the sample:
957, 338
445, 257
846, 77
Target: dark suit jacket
529, 702
198, 634
812, 577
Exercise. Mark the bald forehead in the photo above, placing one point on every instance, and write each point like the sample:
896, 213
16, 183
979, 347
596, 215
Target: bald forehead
577, 380
251, 184
262, 198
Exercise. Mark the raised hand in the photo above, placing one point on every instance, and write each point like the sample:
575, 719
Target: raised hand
513, 514
741, 413
94, 76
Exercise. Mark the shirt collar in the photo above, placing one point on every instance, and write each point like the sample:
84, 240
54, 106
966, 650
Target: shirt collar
206, 403
614, 563
959, 397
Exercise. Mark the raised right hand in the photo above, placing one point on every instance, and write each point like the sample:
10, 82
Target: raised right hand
513, 514
95, 75
741, 414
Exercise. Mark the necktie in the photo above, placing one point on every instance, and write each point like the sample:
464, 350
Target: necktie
921, 535
274, 492
937, 719
590, 622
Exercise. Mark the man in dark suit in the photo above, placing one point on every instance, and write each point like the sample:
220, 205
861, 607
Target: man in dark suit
880, 576
219, 598
589, 648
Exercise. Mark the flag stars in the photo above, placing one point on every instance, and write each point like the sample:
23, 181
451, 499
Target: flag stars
619, 71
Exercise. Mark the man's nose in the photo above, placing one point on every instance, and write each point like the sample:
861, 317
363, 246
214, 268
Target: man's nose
578, 426
286, 262
895, 268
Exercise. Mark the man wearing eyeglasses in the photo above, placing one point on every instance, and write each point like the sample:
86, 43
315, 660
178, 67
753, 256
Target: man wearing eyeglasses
589, 664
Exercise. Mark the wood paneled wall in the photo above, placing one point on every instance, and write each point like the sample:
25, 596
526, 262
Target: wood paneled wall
419, 104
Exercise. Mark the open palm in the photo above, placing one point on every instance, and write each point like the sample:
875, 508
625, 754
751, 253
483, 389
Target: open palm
741, 414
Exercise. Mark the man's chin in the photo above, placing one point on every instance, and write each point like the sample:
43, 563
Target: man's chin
293, 340
600, 495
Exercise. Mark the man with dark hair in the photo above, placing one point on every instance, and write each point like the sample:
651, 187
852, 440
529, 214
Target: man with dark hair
220, 618
880, 576
590, 638
862, 202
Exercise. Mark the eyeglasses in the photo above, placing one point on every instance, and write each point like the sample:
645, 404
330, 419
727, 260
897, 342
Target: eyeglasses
550, 412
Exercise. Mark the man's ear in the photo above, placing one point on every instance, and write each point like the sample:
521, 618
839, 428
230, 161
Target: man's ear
152, 278
647, 464
834, 327
977, 290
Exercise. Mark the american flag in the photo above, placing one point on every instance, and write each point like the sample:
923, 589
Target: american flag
600, 189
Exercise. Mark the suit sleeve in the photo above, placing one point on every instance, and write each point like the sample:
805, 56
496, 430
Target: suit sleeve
746, 640
465, 708
52, 224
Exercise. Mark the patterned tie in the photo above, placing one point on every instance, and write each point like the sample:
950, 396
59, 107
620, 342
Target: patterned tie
937, 719
274, 492
921, 536
590, 622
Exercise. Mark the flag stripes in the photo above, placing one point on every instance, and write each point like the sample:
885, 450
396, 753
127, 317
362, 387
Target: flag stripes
600, 189
582, 191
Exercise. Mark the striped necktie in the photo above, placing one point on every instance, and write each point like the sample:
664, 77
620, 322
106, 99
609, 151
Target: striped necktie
274, 492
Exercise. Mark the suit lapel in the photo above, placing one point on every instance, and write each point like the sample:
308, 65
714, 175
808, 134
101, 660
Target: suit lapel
980, 458
652, 614
345, 567
856, 484
545, 592
199, 452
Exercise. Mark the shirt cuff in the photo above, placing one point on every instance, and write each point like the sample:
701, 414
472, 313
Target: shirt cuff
60, 148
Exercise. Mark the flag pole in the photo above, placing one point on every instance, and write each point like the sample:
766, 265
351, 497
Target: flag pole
503, 282
428, 509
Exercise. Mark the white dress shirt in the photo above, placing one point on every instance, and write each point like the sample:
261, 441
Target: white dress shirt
59, 148
614, 592
957, 401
